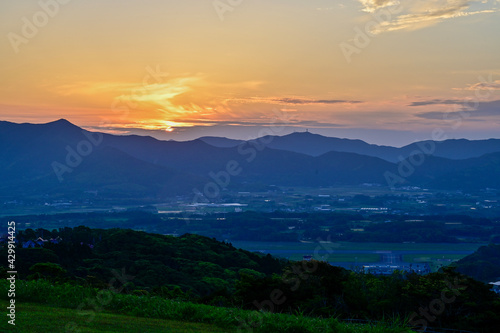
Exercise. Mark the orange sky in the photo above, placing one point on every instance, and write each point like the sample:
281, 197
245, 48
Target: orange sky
194, 67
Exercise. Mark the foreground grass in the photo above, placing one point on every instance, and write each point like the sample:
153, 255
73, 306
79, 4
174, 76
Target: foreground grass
93, 310
38, 318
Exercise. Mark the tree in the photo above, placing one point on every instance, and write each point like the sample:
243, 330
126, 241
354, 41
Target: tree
49, 271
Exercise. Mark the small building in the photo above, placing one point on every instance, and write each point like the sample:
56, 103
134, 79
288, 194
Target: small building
40, 241
56, 240
495, 287
29, 244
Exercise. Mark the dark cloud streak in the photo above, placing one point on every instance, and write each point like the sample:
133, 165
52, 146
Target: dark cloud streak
438, 102
484, 109
313, 101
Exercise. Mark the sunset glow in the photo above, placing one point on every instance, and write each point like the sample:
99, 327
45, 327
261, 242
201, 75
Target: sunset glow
334, 67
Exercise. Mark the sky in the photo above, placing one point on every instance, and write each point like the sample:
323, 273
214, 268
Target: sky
385, 71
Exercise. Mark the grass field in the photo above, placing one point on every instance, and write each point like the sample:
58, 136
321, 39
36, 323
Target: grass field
45, 307
36, 318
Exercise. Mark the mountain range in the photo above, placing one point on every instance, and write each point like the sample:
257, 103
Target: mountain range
316, 145
61, 159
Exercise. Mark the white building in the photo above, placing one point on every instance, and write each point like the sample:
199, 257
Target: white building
496, 286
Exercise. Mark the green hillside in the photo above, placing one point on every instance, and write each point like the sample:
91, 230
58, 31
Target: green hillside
200, 280
482, 265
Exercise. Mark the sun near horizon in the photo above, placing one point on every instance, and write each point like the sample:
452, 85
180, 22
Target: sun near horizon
382, 71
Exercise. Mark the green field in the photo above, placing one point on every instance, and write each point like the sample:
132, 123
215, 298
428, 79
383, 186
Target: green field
334, 254
36, 318
311, 247
435, 261
45, 307
416, 258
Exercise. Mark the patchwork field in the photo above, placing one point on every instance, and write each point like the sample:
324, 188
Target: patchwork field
352, 254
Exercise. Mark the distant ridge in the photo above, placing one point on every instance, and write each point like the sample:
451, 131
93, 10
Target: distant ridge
61, 159
315, 145
220, 142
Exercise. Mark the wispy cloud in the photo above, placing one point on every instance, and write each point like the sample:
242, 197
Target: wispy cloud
483, 109
437, 102
495, 85
161, 97
175, 101
372, 5
413, 15
189, 101
313, 101
290, 100
201, 122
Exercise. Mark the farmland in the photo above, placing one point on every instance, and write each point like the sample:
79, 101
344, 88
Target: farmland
350, 255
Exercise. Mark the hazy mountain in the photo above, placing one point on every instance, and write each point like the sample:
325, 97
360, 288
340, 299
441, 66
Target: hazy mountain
221, 142
480, 172
455, 149
316, 145
61, 158
269, 166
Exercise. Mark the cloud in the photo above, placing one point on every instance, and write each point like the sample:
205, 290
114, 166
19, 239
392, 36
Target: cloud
469, 109
371, 6
413, 15
438, 102
313, 101
160, 127
483, 84
289, 101
158, 96
191, 100
495, 85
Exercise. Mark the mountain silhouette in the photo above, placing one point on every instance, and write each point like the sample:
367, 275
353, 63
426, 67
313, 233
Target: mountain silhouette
61, 159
